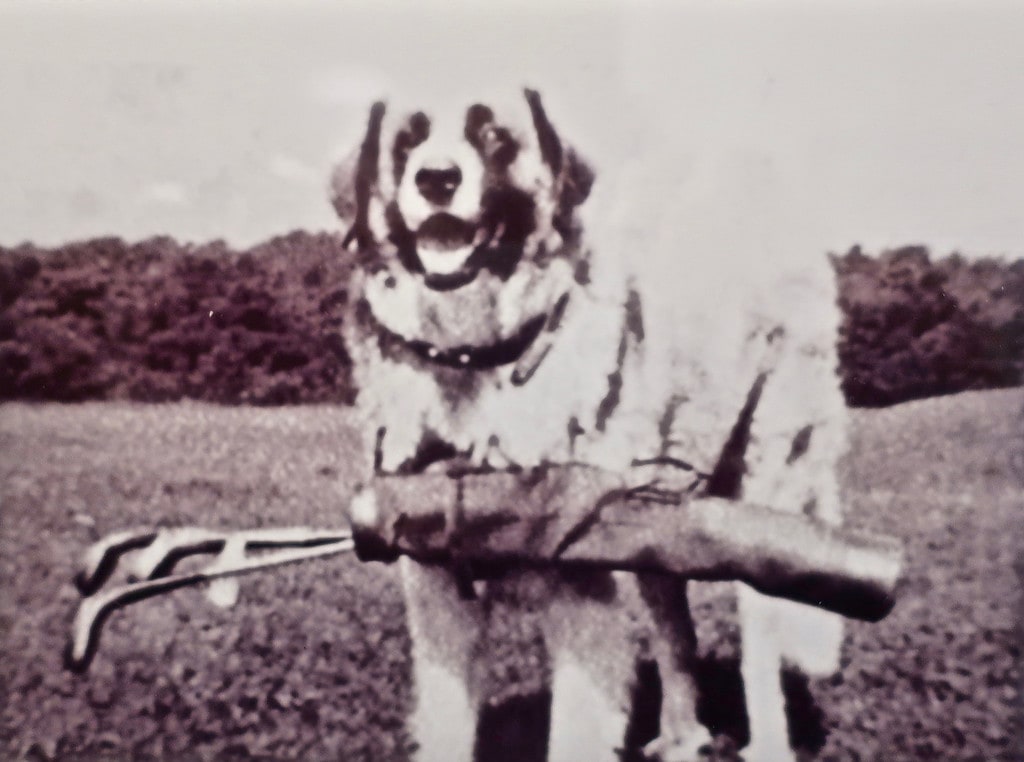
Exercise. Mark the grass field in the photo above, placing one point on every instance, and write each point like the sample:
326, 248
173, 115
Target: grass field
313, 662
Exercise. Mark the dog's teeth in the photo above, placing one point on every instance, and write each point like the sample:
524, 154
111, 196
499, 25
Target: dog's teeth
432, 352
464, 359
443, 262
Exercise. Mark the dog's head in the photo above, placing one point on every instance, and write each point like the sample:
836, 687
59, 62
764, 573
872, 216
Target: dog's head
451, 194
465, 209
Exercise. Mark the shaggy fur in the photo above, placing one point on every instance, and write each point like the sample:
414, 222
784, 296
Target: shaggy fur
738, 390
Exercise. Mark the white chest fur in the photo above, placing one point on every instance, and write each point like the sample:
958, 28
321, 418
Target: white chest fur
485, 414
600, 395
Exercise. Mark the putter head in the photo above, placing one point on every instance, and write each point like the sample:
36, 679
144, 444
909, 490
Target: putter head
154, 554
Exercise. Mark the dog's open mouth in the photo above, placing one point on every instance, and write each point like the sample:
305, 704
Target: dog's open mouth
450, 251
444, 244
444, 233
453, 251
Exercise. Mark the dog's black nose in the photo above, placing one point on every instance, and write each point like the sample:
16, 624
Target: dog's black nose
437, 184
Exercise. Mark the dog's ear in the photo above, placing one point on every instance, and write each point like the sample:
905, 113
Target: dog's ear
573, 176
354, 181
573, 188
547, 136
577, 179
342, 189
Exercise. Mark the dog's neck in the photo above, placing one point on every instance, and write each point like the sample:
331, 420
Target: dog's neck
489, 323
474, 357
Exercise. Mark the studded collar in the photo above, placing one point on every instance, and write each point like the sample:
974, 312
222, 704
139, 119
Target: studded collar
469, 357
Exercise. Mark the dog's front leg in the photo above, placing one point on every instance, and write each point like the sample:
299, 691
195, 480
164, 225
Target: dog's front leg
593, 638
444, 629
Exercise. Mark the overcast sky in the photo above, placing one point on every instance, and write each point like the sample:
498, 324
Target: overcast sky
797, 124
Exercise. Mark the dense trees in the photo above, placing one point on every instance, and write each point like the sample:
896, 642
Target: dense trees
158, 320
913, 328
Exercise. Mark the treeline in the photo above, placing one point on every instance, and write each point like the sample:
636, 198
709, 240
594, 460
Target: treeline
160, 321
914, 328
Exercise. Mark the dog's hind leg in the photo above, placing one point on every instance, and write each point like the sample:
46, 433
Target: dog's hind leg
587, 721
593, 667
593, 640
444, 629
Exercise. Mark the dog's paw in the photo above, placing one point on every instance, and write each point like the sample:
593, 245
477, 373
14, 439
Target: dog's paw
768, 752
695, 746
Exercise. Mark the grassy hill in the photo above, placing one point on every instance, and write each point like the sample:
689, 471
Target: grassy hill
313, 661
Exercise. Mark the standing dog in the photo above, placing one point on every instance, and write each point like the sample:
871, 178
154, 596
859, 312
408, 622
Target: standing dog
484, 329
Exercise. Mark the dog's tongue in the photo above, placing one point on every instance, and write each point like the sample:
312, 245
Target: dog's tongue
444, 232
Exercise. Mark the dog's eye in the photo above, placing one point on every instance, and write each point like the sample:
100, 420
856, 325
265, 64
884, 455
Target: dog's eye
478, 117
416, 131
419, 127
499, 146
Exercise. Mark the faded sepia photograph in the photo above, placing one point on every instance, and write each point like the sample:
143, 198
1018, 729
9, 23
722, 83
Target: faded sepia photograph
511, 382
